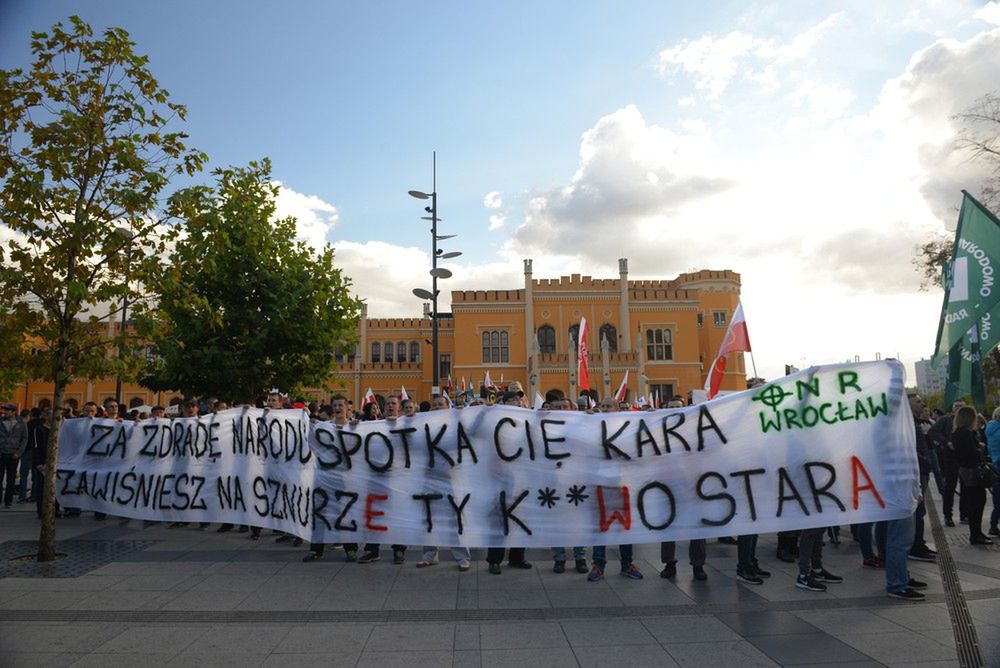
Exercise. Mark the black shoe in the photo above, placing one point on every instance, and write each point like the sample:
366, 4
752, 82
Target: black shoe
559, 567
748, 576
948, 522
669, 570
980, 540
921, 555
907, 595
823, 575
916, 584
312, 556
223, 528
760, 572
807, 581
581, 567
524, 565
495, 569
398, 557
369, 557
700, 574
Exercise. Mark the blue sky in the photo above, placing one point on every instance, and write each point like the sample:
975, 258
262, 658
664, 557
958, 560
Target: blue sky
788, 142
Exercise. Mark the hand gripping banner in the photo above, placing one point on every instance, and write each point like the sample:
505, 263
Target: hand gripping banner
829, 445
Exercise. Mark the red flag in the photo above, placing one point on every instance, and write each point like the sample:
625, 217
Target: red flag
448, 389
582, 372
369, 398
622, 391
487, 383
737, 340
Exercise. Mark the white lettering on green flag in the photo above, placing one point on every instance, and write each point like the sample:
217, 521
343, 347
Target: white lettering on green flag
970, 291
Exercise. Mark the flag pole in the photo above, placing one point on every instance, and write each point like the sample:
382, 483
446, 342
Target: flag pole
754, 365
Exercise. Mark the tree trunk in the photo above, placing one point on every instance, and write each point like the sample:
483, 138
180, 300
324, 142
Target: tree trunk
47, 535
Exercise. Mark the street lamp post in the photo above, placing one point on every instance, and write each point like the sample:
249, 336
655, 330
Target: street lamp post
436, 272
128, 235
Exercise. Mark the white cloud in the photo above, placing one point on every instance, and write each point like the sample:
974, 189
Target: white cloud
494, 202
714, 62
990, 12
315, 217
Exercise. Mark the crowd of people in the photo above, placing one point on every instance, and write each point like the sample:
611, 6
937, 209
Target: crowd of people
948, 447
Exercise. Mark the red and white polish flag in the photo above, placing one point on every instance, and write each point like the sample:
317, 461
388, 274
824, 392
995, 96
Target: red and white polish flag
737, 340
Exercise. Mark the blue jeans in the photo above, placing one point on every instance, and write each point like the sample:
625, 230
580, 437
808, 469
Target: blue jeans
600, 555
559, 553
746, 551
898, 539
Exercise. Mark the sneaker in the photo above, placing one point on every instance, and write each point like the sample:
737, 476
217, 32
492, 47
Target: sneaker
632, 573
948, 522
823, 575
523, 565
873, 562
807, 581
581, 566
312, 556
907, 595
424, 563
223, 528
669, 570
559, 567
699, 573
595, 574
920, 555
398, 557
981, 540
916, 584
352, 555
760, 572
748, 576
495, 569
464, 565
369, 557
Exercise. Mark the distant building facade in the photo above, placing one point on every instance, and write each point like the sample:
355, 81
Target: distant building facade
930, 380
664, 333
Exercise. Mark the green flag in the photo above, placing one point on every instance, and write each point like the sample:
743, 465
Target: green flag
965, 370
971, 290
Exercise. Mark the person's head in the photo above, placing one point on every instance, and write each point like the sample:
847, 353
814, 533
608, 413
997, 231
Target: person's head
675, 403
339, 408
965, 417
392, 406
324, 413
158, 412
46, 414
425, 406
996, 413
555, 394
460, 400
957, 406
609, 405
439, 402
189, 408
110, 408
221, 406
35, 413
89, 410
408, 407
917, 404
511, 399
274, 400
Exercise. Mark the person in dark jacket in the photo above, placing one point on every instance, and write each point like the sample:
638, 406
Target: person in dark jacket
969, 454
940, 436
13, 441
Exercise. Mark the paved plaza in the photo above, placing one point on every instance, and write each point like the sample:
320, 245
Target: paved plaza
157, 596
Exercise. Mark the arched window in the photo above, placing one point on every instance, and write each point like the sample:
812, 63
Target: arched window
574, 337
401, 352
496, 347
609, 333
376, 351
659, 344
414, 351
388, 352
546, 339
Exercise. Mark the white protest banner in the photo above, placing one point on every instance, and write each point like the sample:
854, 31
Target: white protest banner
827, 446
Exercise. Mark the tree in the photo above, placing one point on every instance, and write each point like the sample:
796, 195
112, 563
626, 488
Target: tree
85, 152
980, 136
243, 307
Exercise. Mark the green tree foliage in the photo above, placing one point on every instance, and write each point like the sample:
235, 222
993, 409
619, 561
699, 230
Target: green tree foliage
243, 307
85, 153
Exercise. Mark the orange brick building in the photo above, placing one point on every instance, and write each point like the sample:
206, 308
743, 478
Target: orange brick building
665, 333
